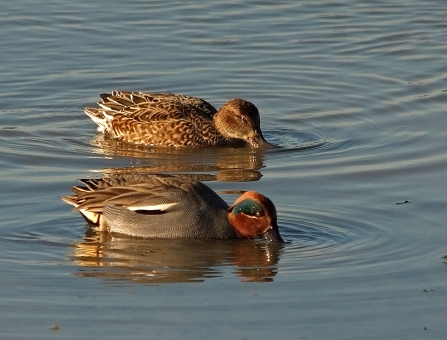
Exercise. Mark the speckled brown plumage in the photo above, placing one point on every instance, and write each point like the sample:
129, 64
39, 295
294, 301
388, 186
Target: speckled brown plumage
176, 120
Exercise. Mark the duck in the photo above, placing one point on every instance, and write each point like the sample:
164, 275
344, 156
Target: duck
171, 120
172, 206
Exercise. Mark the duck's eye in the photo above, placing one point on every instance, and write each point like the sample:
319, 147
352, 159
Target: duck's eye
255, 213
244, 119
249, 208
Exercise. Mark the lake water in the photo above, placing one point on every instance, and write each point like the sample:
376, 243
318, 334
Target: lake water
353, 92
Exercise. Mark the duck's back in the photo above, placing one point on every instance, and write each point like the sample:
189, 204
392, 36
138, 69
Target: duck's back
128, 98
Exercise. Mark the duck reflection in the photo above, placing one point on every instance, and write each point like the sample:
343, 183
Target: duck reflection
124, 258
229, 164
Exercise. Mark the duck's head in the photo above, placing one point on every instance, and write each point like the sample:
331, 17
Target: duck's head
240, 119
254, 215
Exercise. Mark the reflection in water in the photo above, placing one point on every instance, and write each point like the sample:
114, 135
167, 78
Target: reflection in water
230, 164
121, 257
223, 176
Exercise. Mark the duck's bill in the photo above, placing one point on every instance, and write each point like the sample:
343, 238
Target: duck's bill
258, 141
272, 235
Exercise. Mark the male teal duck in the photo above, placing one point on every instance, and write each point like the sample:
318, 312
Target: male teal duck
175, 120
167, 206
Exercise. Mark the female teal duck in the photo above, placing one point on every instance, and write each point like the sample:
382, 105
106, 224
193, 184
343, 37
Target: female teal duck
176, 120
163, 206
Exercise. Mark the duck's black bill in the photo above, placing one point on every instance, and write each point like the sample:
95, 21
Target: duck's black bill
272, 235
258, 141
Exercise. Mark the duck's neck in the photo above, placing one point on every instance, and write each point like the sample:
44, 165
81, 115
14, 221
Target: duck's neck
219, 123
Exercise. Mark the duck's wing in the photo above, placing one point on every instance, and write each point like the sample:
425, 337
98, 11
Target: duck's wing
151, 107
155, 195
137, 197
129, 190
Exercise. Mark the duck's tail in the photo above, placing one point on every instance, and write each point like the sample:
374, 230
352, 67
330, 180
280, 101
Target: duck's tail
99, 116
92, 216
111, 104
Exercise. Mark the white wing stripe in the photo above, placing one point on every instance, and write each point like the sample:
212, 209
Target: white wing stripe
160, 207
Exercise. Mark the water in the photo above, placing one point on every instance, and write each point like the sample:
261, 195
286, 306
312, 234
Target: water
354, 94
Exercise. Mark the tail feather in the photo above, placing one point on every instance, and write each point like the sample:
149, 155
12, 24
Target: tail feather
99, 117
93, 217
105, 96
